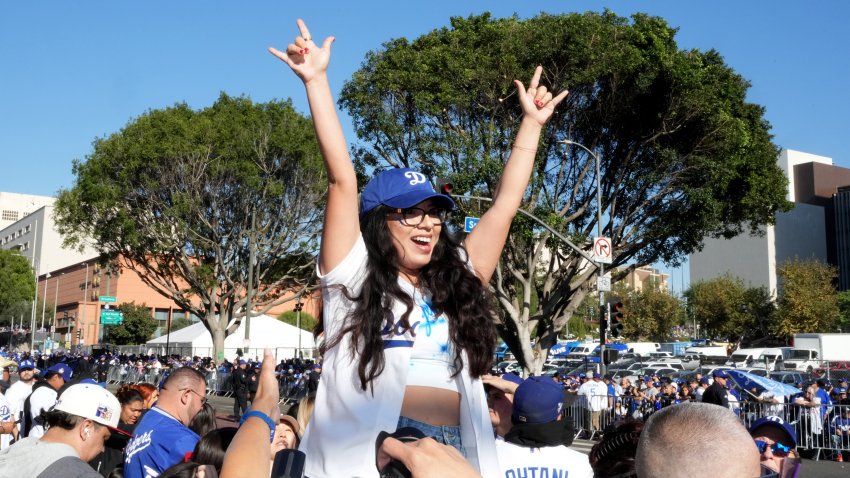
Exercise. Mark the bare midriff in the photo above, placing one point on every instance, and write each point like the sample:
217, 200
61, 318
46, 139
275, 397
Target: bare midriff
434, 406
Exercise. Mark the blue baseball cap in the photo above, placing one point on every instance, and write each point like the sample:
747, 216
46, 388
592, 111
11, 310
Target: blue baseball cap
776, 422
537, 400
512, 377
719, 374
400, 188
62, 369
26, 364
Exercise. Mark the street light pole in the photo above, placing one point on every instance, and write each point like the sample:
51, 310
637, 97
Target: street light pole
602, 311
55, 302
44, 301
82, 327
250, 295
298, 324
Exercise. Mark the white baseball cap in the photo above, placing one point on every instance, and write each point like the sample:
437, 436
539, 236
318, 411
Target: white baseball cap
90, 401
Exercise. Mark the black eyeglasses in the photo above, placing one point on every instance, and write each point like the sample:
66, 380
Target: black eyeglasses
778, 449
413, 216
203, 398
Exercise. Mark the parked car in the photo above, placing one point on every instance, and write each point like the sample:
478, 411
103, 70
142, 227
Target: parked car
761, 372
791, 378
660, 371
673, 365
832, 366
508, 366
691, 361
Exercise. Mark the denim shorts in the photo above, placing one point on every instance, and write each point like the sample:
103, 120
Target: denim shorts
446, 435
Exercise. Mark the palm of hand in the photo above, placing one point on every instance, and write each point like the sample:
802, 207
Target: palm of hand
310, 64
530, 110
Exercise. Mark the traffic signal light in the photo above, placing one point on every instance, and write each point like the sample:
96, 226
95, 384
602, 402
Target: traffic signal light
444, 186
79, 335
616, 321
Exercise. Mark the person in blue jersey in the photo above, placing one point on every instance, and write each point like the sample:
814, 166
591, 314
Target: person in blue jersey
405, 302
163, 437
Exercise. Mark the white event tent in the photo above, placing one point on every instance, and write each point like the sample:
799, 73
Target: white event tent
266, 332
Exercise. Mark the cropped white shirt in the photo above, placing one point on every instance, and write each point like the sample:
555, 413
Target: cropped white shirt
340, 439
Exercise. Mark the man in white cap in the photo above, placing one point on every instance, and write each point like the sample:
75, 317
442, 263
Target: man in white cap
43, 396
77, 428
20, 390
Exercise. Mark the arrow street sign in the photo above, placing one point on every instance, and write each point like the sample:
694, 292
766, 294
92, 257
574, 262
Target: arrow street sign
111, 317
107, 298
602, 250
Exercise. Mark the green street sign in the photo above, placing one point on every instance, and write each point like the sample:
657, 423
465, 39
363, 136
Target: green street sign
107, 299
111, 317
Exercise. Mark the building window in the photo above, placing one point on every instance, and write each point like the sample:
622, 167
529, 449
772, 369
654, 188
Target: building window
26, 246
161, 315
10, 215
27, 229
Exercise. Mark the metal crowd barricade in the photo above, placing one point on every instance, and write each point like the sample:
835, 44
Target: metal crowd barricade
822, 430
119, 374
223, 386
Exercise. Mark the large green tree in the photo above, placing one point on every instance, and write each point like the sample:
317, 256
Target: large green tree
137, 327
17, 285
844, 310
651, 314
808, 300
683, 154
726, 309
182, 196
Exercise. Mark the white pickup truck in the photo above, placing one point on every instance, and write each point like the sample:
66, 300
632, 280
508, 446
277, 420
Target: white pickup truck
811, 350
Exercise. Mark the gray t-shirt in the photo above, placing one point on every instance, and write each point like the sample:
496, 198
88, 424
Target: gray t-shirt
69, 467
32, 457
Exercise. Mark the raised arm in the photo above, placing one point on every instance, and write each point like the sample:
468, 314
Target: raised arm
486, 241
342, 226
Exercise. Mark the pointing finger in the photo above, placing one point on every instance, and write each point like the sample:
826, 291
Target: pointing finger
302, 27
535, 80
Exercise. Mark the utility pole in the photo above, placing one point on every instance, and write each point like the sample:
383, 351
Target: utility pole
250, 294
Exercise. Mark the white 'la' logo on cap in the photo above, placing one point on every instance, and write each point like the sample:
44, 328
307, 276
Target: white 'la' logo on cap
415, 178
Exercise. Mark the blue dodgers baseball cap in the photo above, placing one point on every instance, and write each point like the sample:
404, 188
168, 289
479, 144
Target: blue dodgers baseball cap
776, 422
26, 364
537, 400
719, 374
401, 188
62, 369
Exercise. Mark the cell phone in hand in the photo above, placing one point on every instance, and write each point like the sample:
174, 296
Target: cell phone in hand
288, 464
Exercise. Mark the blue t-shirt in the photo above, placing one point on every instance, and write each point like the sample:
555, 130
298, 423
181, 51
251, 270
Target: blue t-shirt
160, 442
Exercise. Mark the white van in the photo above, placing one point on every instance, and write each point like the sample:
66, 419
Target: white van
770, 359
743, 358
643, 348
714, 350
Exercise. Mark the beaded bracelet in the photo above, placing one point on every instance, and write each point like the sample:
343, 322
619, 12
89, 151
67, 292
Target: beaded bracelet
264, 417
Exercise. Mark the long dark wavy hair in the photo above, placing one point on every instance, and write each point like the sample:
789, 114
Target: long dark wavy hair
454, 291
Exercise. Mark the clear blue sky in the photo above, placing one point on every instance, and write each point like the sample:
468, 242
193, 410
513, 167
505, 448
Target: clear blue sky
74, 71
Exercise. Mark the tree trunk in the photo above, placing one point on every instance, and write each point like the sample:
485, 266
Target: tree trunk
218, 334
